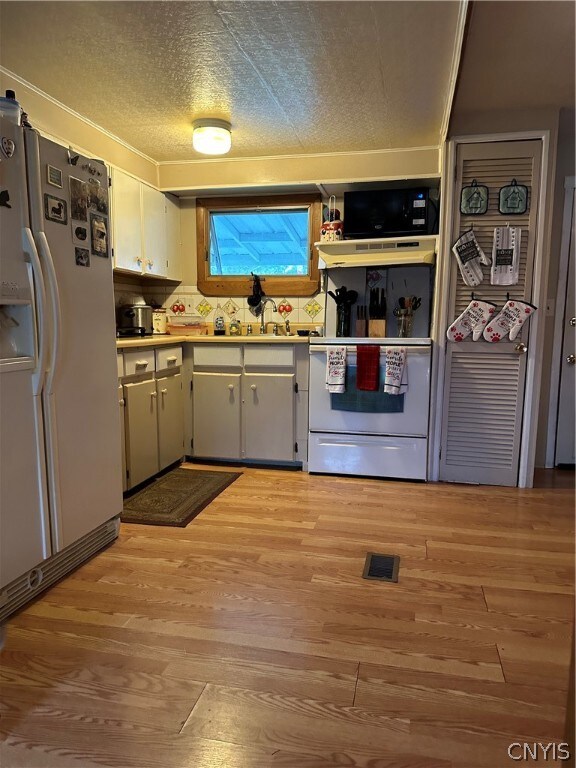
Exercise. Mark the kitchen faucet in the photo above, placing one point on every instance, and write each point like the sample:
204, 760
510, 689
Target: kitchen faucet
263, 302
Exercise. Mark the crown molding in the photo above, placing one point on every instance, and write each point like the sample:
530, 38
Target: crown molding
76, 115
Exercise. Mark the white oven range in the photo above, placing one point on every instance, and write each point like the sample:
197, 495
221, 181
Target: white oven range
384, 437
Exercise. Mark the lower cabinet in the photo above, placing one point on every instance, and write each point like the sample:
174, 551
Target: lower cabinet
141, 425
243, 412
268, 415
170, 420
154, 426
217, 408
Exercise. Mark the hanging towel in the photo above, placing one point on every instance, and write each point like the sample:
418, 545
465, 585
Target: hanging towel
336, 369
506, 255
368, 367
396, 376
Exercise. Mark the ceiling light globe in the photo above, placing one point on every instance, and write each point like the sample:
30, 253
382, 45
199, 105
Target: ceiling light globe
211, 137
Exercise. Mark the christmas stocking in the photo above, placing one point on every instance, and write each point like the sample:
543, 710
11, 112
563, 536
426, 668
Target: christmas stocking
472, 321
470, 257
512, 317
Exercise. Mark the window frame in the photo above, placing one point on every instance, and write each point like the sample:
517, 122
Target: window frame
273, 285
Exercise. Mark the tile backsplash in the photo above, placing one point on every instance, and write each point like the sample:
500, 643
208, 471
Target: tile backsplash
302, 309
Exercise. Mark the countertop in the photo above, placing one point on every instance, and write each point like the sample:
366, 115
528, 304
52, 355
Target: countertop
161, 340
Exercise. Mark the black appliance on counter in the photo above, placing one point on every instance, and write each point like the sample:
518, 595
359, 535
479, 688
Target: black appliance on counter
379, 213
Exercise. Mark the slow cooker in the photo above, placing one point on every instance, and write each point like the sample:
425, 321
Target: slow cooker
136, 318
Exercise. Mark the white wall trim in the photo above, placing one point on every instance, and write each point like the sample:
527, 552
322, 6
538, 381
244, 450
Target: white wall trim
536, 338
440, 314
454, 68
76, 115
567, 234
304, 156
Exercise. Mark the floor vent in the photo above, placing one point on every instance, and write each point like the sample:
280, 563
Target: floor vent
381, 567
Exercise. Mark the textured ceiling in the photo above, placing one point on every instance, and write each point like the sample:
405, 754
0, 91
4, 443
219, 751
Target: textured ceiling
292, 77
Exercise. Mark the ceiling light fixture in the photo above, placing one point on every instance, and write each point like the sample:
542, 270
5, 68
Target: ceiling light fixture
211, 136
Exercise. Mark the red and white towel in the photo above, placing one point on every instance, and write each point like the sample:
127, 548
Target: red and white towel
396, 375
336, 369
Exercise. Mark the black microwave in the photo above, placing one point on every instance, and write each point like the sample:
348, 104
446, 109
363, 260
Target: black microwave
386, 213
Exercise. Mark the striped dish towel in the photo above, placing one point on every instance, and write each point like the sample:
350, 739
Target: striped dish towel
368, 367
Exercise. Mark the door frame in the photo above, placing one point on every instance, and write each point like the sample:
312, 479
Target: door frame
539, 284
567, 234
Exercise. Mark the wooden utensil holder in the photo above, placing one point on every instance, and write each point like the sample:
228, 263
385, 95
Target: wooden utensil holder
376, 328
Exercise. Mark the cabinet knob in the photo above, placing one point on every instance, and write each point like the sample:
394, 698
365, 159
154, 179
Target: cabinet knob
253, 387
163, 391
153, 394
231, 387
121, 402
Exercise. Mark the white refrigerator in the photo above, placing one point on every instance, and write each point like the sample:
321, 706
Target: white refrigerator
60, 462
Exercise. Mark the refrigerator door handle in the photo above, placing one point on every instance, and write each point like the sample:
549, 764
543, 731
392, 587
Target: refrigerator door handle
55, 316
39, 293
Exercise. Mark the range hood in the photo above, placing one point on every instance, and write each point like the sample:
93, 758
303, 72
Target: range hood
385, 252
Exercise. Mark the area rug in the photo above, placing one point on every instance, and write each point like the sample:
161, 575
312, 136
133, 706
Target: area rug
176, 498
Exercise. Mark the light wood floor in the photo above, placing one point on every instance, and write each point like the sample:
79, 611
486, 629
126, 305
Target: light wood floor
250, 640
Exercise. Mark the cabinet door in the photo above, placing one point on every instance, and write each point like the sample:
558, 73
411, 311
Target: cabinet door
173, 240
141, 422
170, 420
122, 435
268, 416
217, 415
154, 231
126, 222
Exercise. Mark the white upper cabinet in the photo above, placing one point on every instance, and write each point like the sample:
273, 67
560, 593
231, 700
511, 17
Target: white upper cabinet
146, 228
154, 231
126, 222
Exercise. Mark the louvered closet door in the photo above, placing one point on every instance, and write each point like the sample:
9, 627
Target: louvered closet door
485, 383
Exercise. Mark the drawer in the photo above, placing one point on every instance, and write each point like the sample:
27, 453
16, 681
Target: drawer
168, 357
120, 364
218, 356
368, 455
138, 361
269, 356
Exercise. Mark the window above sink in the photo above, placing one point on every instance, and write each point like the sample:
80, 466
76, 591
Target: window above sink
270, 236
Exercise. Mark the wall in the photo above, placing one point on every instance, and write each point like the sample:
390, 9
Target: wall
299, 170
69, 128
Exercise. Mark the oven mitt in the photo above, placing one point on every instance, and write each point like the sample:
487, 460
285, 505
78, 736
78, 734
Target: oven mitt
470, 257
505, 255
472, 321
512, 317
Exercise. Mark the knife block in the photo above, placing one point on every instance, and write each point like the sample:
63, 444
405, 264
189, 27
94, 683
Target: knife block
360, 328
376, 328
